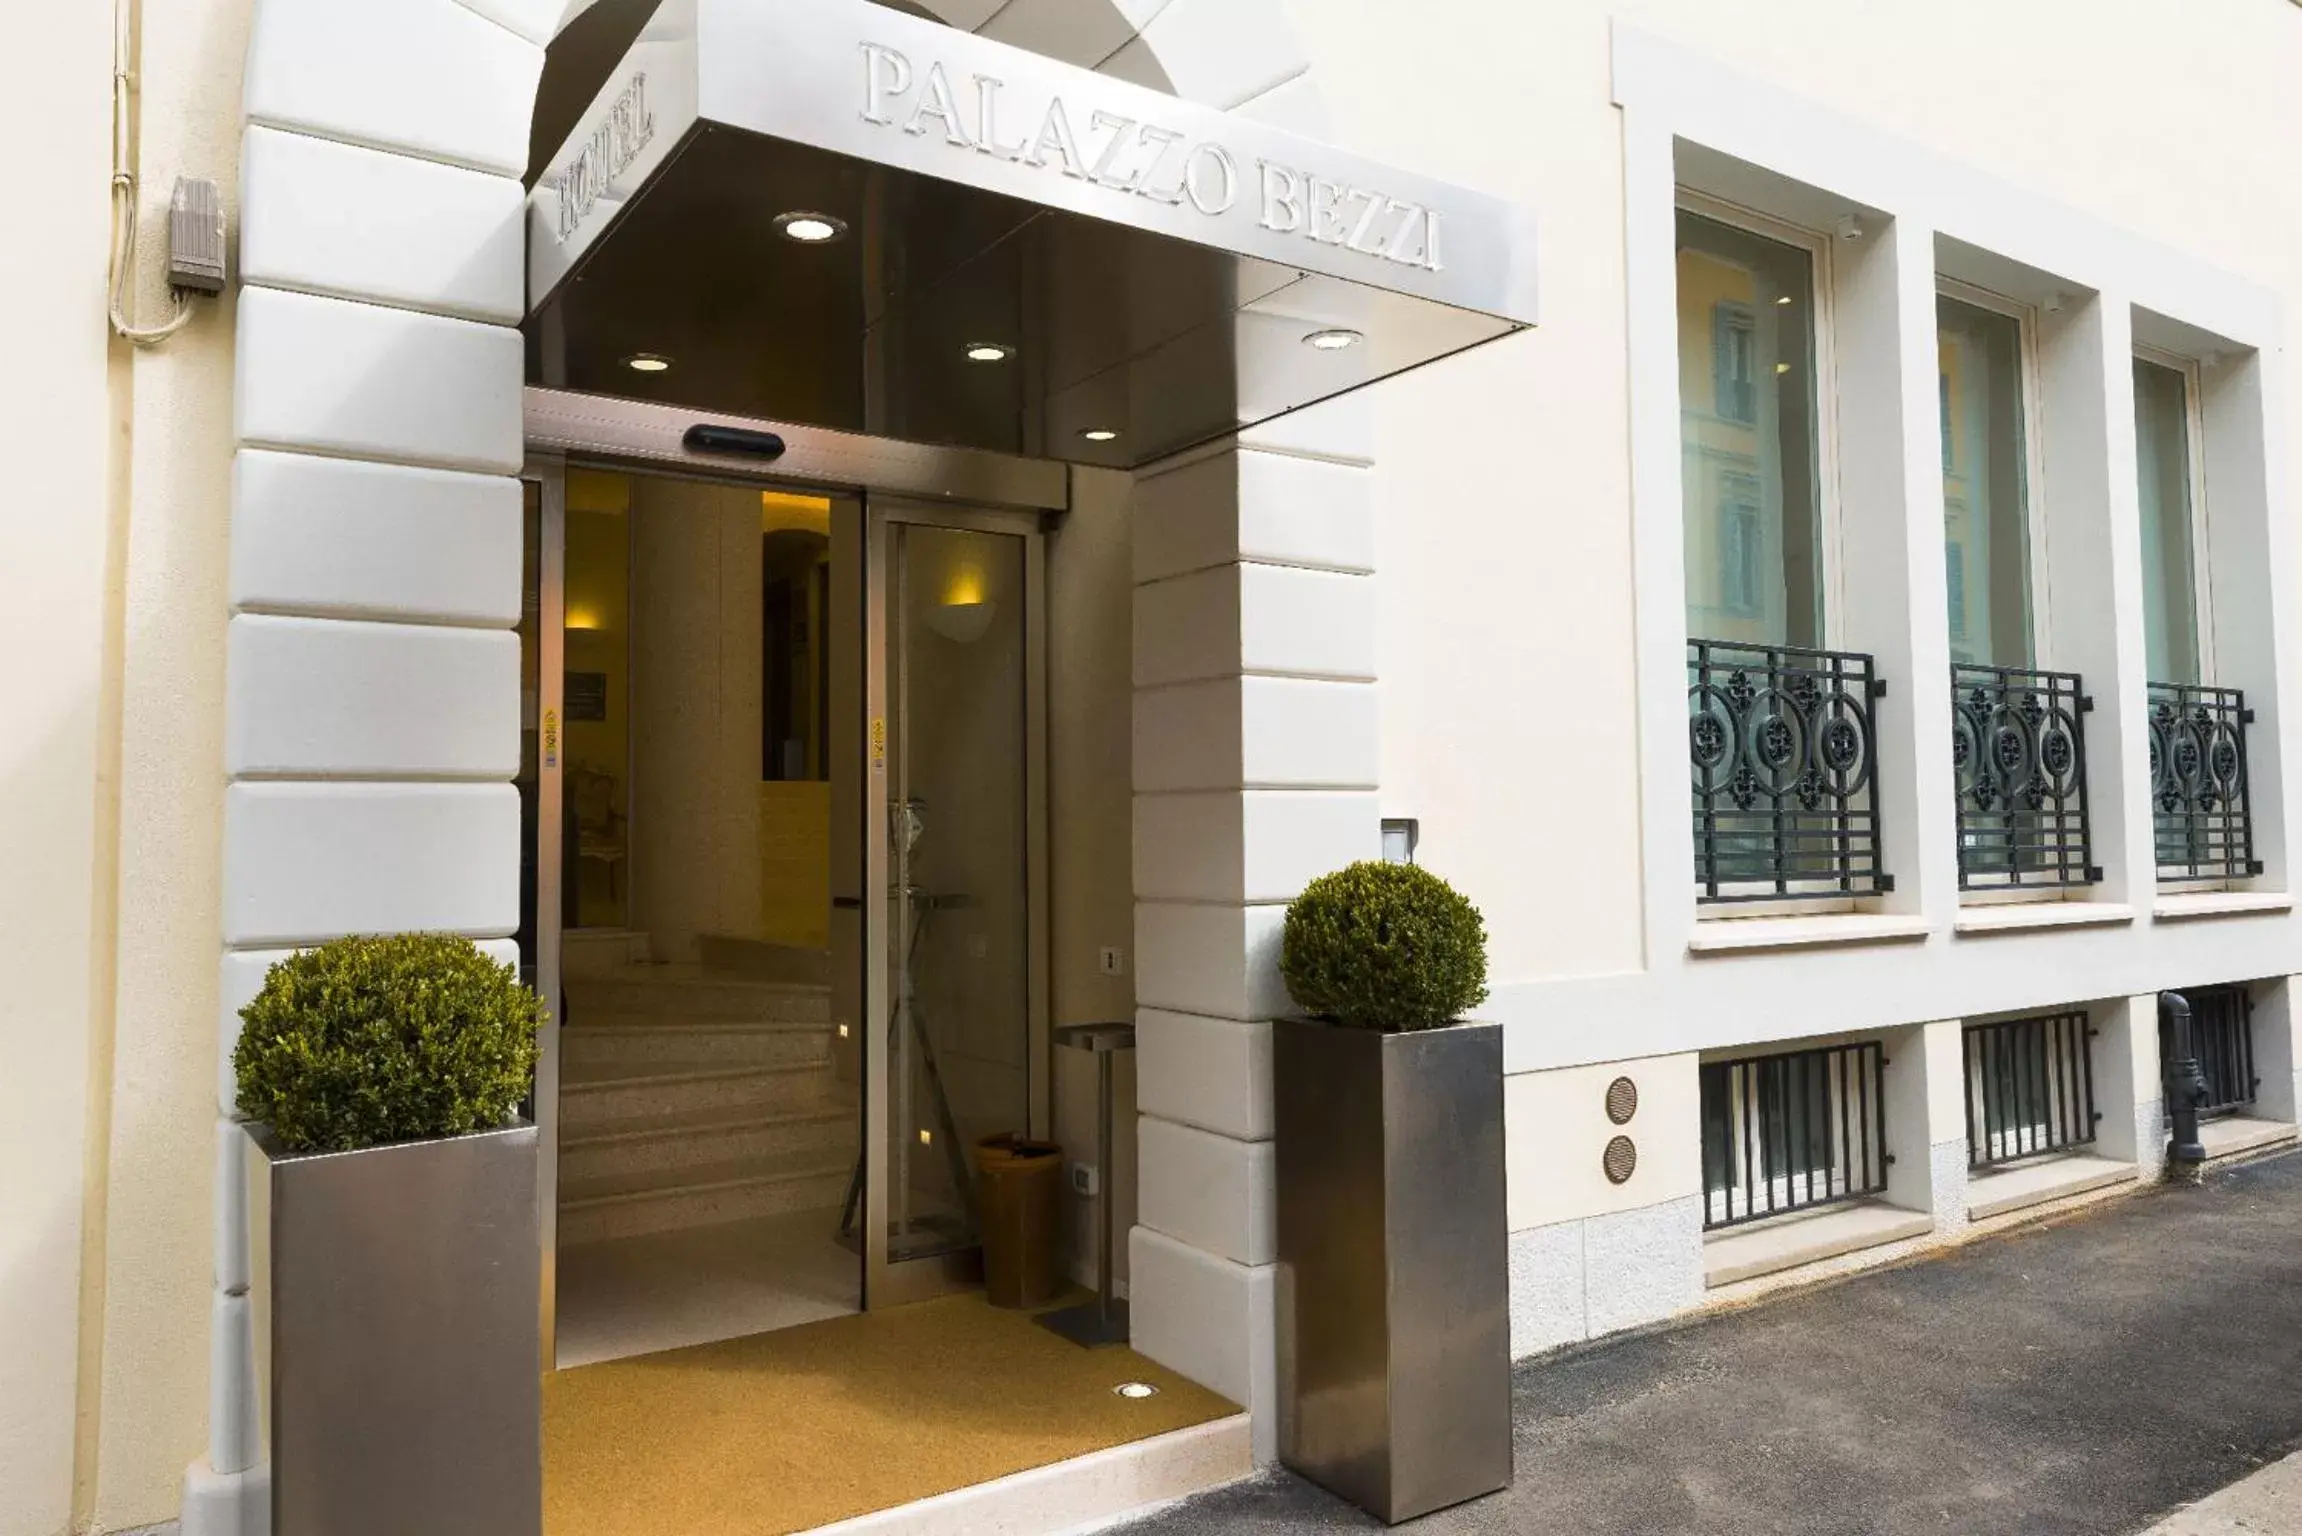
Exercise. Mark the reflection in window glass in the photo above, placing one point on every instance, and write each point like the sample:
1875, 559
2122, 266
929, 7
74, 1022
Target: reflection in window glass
1985, 483
2169, 582
1747, 436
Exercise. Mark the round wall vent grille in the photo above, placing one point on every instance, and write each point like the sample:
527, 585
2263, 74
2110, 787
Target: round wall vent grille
1622, 1160
1622, 1100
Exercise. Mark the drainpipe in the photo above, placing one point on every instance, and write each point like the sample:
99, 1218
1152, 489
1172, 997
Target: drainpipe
2185, 1089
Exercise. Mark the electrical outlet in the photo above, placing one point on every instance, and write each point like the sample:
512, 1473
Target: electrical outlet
1113, 961
1083, 1180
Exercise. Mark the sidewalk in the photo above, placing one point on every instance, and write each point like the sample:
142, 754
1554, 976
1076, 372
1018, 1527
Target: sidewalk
2080, 1379
2267, 1504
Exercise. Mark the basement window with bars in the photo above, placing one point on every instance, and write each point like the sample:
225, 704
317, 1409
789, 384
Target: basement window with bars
1791, 1131
2029, 1087
2222, 1032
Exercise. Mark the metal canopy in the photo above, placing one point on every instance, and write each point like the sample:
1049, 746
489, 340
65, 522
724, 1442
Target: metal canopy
1135, 274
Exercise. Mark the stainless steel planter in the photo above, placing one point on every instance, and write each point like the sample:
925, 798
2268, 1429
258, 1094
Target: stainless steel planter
397, 1319
1394, 1270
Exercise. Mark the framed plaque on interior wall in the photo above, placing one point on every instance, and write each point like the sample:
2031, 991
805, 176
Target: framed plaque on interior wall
587, 696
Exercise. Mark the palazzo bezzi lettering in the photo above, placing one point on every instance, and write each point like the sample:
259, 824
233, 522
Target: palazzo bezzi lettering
1137, 158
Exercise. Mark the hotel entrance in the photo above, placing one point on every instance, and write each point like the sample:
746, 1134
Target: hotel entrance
786, 878
789, 898
847, 335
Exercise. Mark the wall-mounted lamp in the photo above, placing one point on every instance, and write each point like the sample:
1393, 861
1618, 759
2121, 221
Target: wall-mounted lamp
965, 611
1400, 837
1850, 227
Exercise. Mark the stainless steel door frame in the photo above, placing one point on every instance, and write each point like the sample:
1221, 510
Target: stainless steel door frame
645, 440
643, 435
887, 1282
549, 472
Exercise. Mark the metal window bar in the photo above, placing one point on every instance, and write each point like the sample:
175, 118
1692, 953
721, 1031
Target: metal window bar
1792, 1131
2198, 783
2018, 748
2029, 1087
1783, 745
2222, 1032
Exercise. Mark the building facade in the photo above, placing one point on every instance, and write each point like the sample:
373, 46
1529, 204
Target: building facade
1843, 645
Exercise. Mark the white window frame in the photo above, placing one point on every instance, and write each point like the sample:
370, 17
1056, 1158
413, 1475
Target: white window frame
2034, 486
1821, 301
2201, 533
1817, 246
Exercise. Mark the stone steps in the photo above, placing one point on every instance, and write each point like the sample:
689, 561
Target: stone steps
676, 992
692, 1144
599, 1100
662, 1200
693, 1096
635, 1045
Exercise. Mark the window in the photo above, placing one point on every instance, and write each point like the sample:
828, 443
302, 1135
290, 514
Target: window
1954, 568
2029, 1087
1780, 726
1742, 546
2164, 442
2222, 1037
1784, 1132
1985, 483
1749, 435
1734, 345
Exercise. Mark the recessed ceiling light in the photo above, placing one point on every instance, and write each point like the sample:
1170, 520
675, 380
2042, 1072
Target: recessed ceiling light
809, 228
1099, 435
1335, 340
1785, 299
1135, 1390
647, 362
988, 352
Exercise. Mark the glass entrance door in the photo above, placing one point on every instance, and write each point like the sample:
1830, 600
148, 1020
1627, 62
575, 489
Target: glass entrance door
956, 858
785, 875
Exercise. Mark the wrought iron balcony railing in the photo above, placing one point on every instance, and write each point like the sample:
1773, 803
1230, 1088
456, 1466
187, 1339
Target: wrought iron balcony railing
1784, 749
2198, 783
2222, 1033
2029, 1087
1786, 1132
2018, 743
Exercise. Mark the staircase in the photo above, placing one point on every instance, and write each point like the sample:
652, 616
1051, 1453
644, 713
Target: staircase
691, 1097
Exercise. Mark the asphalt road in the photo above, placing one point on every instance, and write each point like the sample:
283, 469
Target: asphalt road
2078, 1379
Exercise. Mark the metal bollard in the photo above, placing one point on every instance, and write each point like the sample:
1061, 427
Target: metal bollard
2185, 1087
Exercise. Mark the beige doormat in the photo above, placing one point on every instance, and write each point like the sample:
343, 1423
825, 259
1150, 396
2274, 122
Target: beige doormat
788, 1431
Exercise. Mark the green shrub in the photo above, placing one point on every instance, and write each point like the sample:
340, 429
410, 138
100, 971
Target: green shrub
1384, 946
362, 1042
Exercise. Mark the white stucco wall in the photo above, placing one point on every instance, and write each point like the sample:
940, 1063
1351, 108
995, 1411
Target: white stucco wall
58, 545
1509, 700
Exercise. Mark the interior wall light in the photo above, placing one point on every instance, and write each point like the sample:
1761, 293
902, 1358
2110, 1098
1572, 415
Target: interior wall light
648, 362
989, 352
1336, 339
964, 611
808, 227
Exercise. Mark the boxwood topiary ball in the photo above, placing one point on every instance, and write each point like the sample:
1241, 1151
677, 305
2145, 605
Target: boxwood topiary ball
1384, 946
363, 1042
